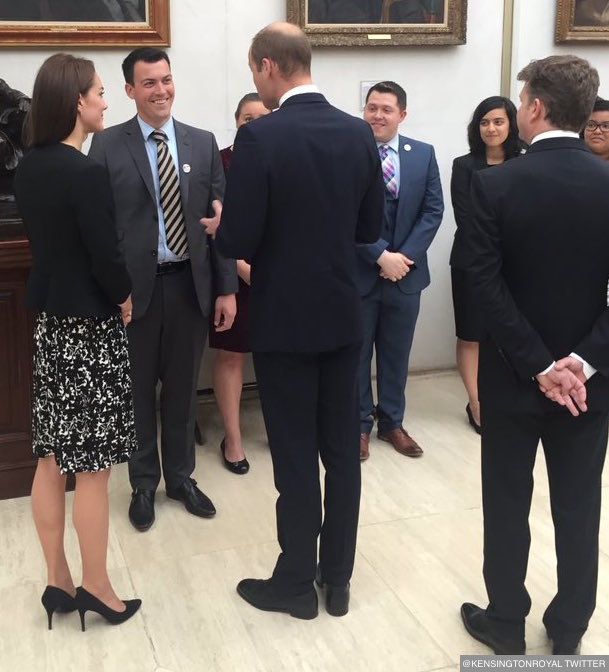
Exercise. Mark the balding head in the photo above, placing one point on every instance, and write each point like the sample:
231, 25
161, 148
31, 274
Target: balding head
286, 45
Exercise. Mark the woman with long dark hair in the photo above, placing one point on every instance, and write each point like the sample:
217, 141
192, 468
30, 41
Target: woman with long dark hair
82, 415
493, 138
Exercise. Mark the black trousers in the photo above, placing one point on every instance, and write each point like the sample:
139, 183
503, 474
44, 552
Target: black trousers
310, 404
166, 344
575, 451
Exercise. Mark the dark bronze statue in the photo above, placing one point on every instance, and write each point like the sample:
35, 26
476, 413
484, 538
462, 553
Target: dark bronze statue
13, 108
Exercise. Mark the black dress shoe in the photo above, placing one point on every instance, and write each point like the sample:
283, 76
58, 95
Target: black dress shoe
141, 509
194, 500
565, 648
198, 434
240, 467
562, 644
337, 597
480, 627
472, 422
262, 594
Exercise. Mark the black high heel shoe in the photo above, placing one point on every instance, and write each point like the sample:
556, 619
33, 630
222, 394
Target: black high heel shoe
87, 602
240, 467
55, 599
472, 422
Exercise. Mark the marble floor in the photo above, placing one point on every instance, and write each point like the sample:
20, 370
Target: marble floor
418, 559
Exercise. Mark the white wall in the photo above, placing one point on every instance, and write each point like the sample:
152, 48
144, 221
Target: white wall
534, 38
209, 58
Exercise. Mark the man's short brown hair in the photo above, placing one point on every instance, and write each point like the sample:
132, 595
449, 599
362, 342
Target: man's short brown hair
567, 86
291, 50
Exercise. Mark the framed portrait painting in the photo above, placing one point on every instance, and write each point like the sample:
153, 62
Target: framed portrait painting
91, 23
582, 21
380, 23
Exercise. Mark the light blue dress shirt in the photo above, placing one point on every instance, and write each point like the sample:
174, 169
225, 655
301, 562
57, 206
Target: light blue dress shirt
164, 253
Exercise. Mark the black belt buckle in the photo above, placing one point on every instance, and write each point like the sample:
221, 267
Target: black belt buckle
171, 267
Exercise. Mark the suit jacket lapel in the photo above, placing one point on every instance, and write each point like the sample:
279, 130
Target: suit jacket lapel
184, 158
136, 146
405, 180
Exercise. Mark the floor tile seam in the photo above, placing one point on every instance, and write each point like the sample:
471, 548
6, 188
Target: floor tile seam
431, 636
419, 516
411, 613
147, 631
203, 554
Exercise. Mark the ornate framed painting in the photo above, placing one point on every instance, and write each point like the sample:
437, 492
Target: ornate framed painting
582, 21
90, 23
380, 23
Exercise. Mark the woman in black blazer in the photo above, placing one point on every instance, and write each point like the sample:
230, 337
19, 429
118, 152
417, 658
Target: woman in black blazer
493, 138
82, 414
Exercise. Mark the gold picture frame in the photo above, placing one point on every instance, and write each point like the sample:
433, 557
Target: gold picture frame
17, 29
391, 22
583, 21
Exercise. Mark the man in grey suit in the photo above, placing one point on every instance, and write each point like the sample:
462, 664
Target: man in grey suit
167, 179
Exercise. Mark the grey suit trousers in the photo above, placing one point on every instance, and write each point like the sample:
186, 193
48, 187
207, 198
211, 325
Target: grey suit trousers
166, 344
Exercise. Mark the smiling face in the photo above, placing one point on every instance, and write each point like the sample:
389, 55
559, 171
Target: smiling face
598, 139
91, 107
384, 115
494, 127
153, 91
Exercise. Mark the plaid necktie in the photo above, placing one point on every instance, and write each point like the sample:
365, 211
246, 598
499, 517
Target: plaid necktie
388, 169
171, 204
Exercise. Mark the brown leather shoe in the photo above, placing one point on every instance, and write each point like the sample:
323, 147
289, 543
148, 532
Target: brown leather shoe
402, 442
364, 446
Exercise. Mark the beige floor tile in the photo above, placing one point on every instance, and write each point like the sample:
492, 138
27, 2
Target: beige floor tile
26, 643
419, 557
21, 557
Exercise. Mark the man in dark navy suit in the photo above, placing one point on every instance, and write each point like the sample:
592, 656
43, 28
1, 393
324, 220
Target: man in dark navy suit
393, 271
539, 264
304, 186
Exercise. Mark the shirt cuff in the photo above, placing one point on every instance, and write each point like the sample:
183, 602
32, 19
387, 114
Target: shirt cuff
543, 373
589, 370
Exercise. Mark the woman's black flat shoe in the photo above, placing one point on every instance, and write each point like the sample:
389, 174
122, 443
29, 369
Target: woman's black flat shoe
55, 599
87, 602
472, 422
241, 467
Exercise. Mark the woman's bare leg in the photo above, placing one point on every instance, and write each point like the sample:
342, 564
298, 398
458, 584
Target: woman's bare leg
228, 382
49, 512
91, 520
467, 361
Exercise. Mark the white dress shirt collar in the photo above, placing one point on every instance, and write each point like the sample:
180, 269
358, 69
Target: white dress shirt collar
546, 135
394, 143
303, 88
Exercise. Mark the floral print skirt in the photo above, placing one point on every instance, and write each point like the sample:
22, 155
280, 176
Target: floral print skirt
82, 410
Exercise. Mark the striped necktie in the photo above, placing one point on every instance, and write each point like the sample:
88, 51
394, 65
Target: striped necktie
388, 169
171, 204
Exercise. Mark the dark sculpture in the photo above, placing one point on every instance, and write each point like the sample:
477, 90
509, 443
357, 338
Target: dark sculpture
13, 108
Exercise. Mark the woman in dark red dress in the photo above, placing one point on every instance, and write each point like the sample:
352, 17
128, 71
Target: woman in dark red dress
234, 343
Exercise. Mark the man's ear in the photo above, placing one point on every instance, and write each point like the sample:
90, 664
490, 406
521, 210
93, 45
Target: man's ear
538, 109
129, 90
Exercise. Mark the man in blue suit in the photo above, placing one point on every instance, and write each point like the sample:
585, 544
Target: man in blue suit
393, 271
304, 187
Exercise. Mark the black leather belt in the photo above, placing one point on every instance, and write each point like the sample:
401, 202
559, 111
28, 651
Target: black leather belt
172, 267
